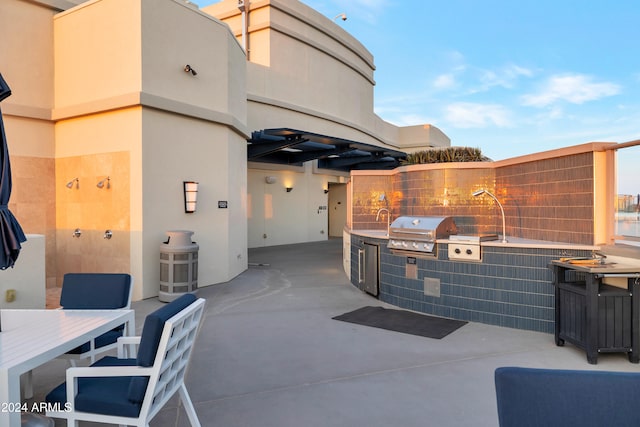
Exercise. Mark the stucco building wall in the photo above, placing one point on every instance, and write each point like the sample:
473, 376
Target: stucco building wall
100, 90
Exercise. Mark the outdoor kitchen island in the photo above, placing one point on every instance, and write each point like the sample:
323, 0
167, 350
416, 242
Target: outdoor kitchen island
505, 284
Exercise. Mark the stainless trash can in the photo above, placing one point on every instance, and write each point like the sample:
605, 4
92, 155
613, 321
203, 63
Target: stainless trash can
178, 265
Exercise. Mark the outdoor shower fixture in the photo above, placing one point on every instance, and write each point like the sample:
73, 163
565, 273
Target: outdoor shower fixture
190, 196
70, 183
189, 69
504, 228
288, 189
100, 184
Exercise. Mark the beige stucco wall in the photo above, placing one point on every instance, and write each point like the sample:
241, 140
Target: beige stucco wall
217, 160
27, 58
100, 90
307, 72
135, 115
26, 63
278, 217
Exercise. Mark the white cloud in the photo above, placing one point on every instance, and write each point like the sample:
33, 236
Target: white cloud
444, 81
573, 88
556, 113
473, 80
472, 115
504, 77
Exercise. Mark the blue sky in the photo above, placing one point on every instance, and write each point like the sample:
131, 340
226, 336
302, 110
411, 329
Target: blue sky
509, 77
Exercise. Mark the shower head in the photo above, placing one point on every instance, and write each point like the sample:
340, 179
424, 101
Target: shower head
70, 183
101, 183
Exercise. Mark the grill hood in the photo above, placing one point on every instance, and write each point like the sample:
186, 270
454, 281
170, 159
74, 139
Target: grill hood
419, 233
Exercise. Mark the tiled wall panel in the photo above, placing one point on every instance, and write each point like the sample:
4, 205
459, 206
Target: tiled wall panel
93, 210
549, 199
33, 201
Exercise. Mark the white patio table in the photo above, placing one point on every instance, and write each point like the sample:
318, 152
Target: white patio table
30, 338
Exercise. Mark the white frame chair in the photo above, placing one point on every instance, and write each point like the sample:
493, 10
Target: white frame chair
166, 375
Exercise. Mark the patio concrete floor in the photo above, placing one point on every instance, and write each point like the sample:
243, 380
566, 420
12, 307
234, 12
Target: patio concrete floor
270, 355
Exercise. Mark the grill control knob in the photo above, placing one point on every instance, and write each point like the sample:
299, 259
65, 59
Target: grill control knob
457, 250
469, 251
415, 245
404, 244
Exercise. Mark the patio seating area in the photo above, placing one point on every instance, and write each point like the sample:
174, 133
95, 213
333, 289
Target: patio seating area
269, 354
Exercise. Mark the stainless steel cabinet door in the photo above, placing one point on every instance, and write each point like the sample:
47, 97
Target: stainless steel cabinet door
371, 268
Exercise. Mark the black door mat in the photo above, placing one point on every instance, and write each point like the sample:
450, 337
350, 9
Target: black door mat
407, 322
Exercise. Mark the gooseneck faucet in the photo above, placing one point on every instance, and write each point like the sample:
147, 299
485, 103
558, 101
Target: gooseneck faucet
388, 217
504, 228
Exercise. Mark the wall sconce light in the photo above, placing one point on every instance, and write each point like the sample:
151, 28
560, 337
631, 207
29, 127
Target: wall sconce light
289, 189
70, 183
504, 228
326, 190
189, 69
270, 179
101, 184
190, 196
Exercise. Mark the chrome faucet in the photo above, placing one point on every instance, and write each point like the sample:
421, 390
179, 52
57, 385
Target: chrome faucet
388, 217
504, 228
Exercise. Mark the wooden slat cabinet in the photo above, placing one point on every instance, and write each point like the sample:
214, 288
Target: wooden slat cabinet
594, 316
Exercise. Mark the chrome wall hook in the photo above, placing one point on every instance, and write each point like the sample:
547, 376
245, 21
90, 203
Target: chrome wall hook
77, 233
108, 234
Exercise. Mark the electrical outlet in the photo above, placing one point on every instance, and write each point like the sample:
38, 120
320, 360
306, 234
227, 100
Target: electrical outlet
10, 295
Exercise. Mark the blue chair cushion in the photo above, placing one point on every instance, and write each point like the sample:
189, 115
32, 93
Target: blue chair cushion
559, 398
107, 396
95, 291
150, 339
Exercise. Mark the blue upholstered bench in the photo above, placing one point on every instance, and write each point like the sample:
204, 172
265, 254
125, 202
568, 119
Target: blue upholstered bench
528, 397
127, 390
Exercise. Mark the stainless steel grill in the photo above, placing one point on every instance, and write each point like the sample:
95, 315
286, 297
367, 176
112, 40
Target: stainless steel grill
419, 233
